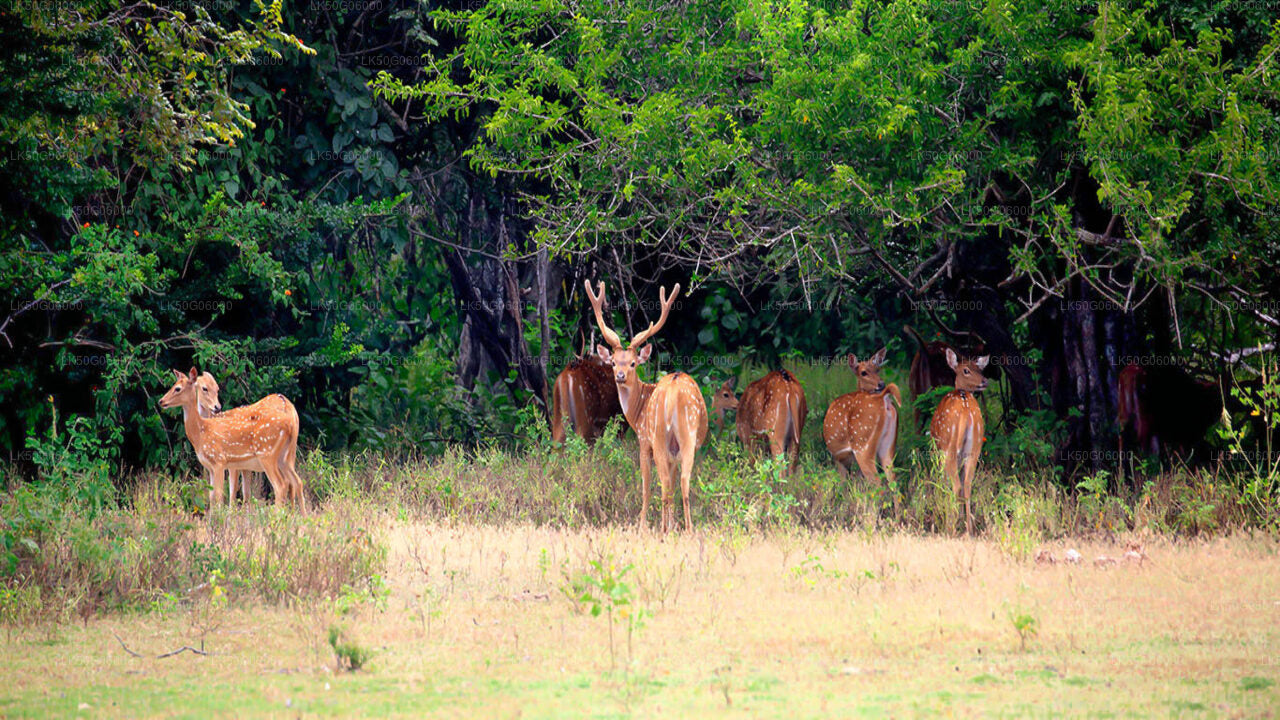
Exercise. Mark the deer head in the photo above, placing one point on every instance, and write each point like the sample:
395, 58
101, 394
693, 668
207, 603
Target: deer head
724, 399
197, 392
625, 360
868, 371
209, 389
969, 375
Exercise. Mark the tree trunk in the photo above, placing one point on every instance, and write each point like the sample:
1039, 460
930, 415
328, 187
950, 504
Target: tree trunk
489, 291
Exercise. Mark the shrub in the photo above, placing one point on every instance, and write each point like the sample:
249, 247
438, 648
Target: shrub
155, 553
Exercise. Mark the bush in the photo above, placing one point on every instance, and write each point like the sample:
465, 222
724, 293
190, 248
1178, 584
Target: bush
154, 553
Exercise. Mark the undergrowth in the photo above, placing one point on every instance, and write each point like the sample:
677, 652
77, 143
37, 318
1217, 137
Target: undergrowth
152, 548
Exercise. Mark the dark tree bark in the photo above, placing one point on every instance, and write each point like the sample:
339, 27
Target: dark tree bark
492, 299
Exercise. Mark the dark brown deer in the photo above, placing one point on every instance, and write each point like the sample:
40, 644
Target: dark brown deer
929, 367
584, 395
1165, 409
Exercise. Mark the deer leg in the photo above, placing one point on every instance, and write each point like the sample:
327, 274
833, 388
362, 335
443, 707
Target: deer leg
841, 467
776, 447
866, 463
645, 460
866, 458
662, 460
970, 468
292, 485
793, 464
279, 485
687, 455
885, 455
890, 482
291, 460
216, 475
950, 469
290, 473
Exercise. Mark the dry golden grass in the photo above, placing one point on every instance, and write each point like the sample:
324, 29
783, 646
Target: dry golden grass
475, 623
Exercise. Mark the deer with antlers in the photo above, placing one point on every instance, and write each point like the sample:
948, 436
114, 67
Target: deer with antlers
958, 429
261, 437
862, 426
669, 417
772, 408
583, 394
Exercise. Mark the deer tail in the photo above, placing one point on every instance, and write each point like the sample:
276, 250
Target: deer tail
893, 390
793, 422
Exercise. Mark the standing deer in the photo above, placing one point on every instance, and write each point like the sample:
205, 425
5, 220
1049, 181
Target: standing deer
251, 484
862, 426
1167, 409
584, 393
958, 428
772, 408
669, 417
259, 437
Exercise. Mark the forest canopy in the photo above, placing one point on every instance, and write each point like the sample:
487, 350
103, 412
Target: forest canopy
385, 209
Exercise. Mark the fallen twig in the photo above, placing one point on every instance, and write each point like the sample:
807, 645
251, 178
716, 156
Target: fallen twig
180, 650
126, 647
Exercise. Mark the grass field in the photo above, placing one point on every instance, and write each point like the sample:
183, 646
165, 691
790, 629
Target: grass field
497, 621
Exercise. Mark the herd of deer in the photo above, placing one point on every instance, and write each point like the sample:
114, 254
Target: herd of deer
669, 419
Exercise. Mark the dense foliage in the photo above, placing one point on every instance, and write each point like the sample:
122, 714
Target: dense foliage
385, 210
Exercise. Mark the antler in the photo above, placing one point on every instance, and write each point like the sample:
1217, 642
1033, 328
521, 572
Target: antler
653, 328
597, 300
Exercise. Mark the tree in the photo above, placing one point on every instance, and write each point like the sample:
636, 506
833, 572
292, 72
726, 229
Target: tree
1062, 165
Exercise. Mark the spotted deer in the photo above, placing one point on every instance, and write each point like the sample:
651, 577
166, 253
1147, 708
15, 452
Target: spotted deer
585, 396
211, 405
862, 426
772, 409
958, 429
669, 417
250, 484
261, 437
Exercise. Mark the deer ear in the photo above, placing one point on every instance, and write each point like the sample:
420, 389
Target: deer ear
605, 354
645, 352
982, 361
853, 361
952, 361
881, 357
193, 375
177, 374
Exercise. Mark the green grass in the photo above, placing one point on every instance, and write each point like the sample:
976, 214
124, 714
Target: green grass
733, 636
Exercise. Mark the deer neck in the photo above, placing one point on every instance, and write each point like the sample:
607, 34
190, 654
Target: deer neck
633, 396
193, 424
